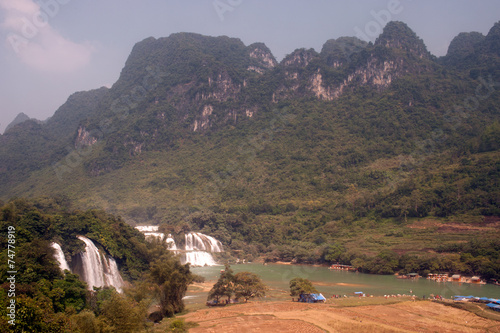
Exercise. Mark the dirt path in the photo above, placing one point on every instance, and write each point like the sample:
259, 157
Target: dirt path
408, 316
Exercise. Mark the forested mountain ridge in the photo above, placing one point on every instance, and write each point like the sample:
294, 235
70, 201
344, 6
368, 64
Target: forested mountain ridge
206, 133
476, 53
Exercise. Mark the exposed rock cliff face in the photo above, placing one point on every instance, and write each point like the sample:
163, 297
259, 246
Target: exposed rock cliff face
84, 138
347, 62
264, 59
203, 122
220, 88
205, 96
319, 90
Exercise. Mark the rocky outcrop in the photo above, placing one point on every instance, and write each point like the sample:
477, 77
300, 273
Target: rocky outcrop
319, 90
262, 58
397, 35
203, 122
299, 58
220, 88
397, 52
84, 138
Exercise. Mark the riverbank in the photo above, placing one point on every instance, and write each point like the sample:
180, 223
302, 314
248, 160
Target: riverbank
338, 282
442, 277
340, 315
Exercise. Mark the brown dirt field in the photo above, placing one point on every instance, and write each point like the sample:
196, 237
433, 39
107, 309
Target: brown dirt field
407, 316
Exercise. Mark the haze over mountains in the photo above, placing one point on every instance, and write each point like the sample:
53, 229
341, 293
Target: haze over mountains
211, 133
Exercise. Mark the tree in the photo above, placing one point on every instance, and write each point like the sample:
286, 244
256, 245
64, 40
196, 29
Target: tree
224, 286
248, 285
172, 279
301, 286
86, 322
121, 314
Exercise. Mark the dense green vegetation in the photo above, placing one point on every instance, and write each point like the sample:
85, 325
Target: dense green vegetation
48, 300
399, 172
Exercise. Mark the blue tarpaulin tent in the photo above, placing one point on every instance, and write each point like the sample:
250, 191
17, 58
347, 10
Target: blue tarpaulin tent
494, 306
482, 299
312, 298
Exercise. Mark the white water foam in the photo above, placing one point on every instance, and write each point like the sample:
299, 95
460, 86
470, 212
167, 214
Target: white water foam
98, 269
59, 255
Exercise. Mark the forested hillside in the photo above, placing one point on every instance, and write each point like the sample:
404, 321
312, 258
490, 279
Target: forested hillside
49, 300
360, 153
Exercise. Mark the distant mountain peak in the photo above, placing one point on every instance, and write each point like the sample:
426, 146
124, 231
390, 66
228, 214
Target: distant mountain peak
337, 51
464, 44
493, 39
398, 35
20, 118
261, 58
495, 30
299, 58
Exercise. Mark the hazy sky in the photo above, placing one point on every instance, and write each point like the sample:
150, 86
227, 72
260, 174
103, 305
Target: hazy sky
52, 48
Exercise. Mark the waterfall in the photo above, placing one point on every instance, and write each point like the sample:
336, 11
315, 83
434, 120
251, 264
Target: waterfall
96, 268
198, 258
150, 231
199, 241
59, 255
159, 235
171, 243
147, 228
198, 249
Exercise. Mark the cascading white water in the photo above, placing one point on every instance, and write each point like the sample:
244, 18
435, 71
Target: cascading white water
147, 228
171, 243
98, 270
112, 275
201, 242
198, 249
59, 255
150, 231
159, 235
198, 258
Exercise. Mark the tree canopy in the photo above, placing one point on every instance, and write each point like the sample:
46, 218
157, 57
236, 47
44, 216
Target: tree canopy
301, 286
224, 285
244, 285
248, 285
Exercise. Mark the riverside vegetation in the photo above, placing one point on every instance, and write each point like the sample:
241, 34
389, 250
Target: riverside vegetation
378, 155
48, 300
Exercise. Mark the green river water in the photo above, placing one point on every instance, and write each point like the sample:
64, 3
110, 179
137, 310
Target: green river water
330, 282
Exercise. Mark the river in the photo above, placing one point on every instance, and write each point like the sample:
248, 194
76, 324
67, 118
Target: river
330, 282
